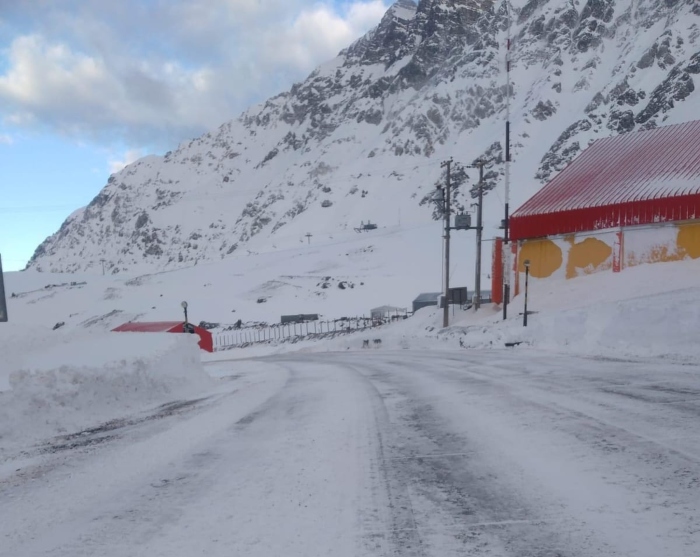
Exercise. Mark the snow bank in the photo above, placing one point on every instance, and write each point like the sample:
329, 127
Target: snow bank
650, 311
660, 326
74, 385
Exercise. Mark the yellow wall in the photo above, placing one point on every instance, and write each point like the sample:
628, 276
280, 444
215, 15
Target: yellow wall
588, 256
544, 255
569, 256
689, 240
581, 254
663, 244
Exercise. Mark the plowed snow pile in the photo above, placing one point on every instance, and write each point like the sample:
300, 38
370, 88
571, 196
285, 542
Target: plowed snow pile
70, 386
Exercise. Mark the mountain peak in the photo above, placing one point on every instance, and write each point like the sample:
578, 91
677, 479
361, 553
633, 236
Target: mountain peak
366, 131
403, 9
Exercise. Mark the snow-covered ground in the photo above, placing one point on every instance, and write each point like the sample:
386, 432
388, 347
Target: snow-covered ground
77, 384
582, 440
411, 453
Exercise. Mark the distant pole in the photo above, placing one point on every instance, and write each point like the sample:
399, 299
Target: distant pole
446, 310
103, 266
527, 275
308, 236
479, 228
184, 307
3, 300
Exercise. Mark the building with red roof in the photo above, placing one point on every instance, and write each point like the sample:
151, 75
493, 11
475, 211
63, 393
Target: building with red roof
624, 201
636, 178
206, 341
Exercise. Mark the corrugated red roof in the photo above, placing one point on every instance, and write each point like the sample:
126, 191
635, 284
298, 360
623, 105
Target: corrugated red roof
149, 327
634, 178
206, 341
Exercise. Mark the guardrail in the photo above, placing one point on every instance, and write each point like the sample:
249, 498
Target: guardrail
287, 332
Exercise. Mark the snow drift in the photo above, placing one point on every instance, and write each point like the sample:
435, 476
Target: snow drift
68, 387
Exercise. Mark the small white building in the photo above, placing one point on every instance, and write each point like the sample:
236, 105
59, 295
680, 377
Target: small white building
387, 312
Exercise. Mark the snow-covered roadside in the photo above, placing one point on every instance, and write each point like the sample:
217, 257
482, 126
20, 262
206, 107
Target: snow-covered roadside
61, 381
72, 385
650, 311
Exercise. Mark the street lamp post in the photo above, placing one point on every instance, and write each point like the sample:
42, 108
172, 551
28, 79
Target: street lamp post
3, 300
184, 307
527, 275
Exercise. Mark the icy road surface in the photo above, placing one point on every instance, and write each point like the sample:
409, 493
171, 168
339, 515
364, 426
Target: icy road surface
405, 453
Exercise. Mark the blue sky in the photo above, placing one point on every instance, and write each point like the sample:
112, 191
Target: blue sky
89, 86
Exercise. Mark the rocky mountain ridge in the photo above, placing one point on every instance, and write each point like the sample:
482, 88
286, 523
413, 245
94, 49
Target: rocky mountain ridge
363, 136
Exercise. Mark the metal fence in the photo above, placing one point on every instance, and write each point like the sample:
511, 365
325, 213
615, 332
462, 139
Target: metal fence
291, 332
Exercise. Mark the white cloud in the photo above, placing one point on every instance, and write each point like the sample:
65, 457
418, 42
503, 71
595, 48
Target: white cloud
6, 139
158, 73
320, 31
132, 155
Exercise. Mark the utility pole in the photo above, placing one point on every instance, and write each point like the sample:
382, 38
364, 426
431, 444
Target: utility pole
446, 313
506, 221
103, 266
479, 228
308, 237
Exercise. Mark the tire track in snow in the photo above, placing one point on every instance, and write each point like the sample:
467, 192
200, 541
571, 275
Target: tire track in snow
652, 484
457, 504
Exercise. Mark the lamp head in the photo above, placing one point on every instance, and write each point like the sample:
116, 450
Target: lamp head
184, 305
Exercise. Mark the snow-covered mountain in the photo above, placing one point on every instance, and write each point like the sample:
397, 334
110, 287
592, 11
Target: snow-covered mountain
362, 138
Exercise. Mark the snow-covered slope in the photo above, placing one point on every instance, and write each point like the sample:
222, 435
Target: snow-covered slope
363, 136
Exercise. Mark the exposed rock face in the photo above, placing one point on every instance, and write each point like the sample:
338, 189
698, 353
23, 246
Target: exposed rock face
370, 128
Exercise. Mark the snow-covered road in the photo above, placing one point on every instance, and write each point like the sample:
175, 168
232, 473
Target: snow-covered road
487, 453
